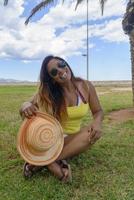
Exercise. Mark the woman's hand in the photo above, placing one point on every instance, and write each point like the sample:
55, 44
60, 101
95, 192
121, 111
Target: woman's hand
94, 131
28, 110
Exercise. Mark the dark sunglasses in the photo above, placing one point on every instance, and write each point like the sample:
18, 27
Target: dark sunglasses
54, 71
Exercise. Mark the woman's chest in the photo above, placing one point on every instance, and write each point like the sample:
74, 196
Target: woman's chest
72, 98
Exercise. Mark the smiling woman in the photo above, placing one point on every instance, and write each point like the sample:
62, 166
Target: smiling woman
68, 99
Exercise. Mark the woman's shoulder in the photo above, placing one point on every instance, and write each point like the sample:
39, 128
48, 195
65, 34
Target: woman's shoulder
82, 83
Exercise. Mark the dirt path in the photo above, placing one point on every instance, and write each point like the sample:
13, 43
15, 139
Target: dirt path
121, 115
115, 90
119, 89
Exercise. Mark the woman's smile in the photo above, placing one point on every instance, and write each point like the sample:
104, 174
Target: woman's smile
64, 76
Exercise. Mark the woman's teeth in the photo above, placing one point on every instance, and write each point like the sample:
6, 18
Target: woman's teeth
64, 75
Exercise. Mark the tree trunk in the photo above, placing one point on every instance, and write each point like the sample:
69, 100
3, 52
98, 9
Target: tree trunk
132, 61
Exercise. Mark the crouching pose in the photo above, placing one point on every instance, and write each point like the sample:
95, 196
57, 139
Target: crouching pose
68, 99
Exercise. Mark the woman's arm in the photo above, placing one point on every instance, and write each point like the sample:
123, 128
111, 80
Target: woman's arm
94, 104
95, 126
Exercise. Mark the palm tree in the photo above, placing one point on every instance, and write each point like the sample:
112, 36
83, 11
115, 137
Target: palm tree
132, 62
128, 27
44, 3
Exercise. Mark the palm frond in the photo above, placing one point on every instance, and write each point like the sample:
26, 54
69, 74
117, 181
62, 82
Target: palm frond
78, 2
41, 5
102, 3
5, 2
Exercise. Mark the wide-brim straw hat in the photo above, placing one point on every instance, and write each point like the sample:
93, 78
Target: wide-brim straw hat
40, 139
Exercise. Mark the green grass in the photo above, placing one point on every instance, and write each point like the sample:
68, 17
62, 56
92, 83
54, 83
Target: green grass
105, 172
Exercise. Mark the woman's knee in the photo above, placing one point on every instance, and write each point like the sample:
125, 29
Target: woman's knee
96, 137
85, 137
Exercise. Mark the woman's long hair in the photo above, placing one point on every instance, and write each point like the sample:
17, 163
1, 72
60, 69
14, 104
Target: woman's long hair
51, 94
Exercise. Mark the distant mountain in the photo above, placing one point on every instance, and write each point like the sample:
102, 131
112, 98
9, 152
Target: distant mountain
96, 83
13, 81
2, 80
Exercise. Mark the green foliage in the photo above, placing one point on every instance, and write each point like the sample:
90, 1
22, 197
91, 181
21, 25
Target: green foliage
105, 172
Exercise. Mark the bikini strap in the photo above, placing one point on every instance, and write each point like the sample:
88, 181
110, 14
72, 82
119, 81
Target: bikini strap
81, 96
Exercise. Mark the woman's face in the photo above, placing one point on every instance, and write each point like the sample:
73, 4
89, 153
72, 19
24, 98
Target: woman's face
58, 70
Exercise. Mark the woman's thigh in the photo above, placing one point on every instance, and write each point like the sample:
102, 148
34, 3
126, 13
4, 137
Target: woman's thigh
82, 136
68, 138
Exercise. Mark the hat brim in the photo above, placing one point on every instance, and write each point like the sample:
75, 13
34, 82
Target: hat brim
32, 156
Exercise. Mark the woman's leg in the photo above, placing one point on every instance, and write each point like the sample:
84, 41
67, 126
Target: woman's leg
75, 144
56, 170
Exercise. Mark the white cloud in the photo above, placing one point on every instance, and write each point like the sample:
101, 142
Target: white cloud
10, 14
62, 31
110, 31
112, 8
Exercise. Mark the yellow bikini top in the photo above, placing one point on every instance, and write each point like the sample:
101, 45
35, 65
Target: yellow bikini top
75, 117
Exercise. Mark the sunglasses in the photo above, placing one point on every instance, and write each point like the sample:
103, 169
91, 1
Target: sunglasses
54, 71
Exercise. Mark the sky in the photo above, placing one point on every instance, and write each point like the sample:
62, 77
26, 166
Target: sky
62, 31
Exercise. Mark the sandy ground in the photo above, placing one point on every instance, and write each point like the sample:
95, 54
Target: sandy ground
122, 115
102, 93
122, 89
118, 89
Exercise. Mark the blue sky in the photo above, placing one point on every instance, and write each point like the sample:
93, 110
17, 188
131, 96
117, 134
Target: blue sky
62, 31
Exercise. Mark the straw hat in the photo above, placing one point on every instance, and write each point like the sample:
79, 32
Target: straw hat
40, 139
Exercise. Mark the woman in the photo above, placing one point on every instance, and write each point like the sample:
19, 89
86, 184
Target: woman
68, 99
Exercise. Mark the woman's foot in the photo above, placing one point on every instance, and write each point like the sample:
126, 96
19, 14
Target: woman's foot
56, 170
29, 170
61, 169
66, 169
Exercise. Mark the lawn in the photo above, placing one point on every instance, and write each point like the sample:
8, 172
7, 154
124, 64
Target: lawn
105, 172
